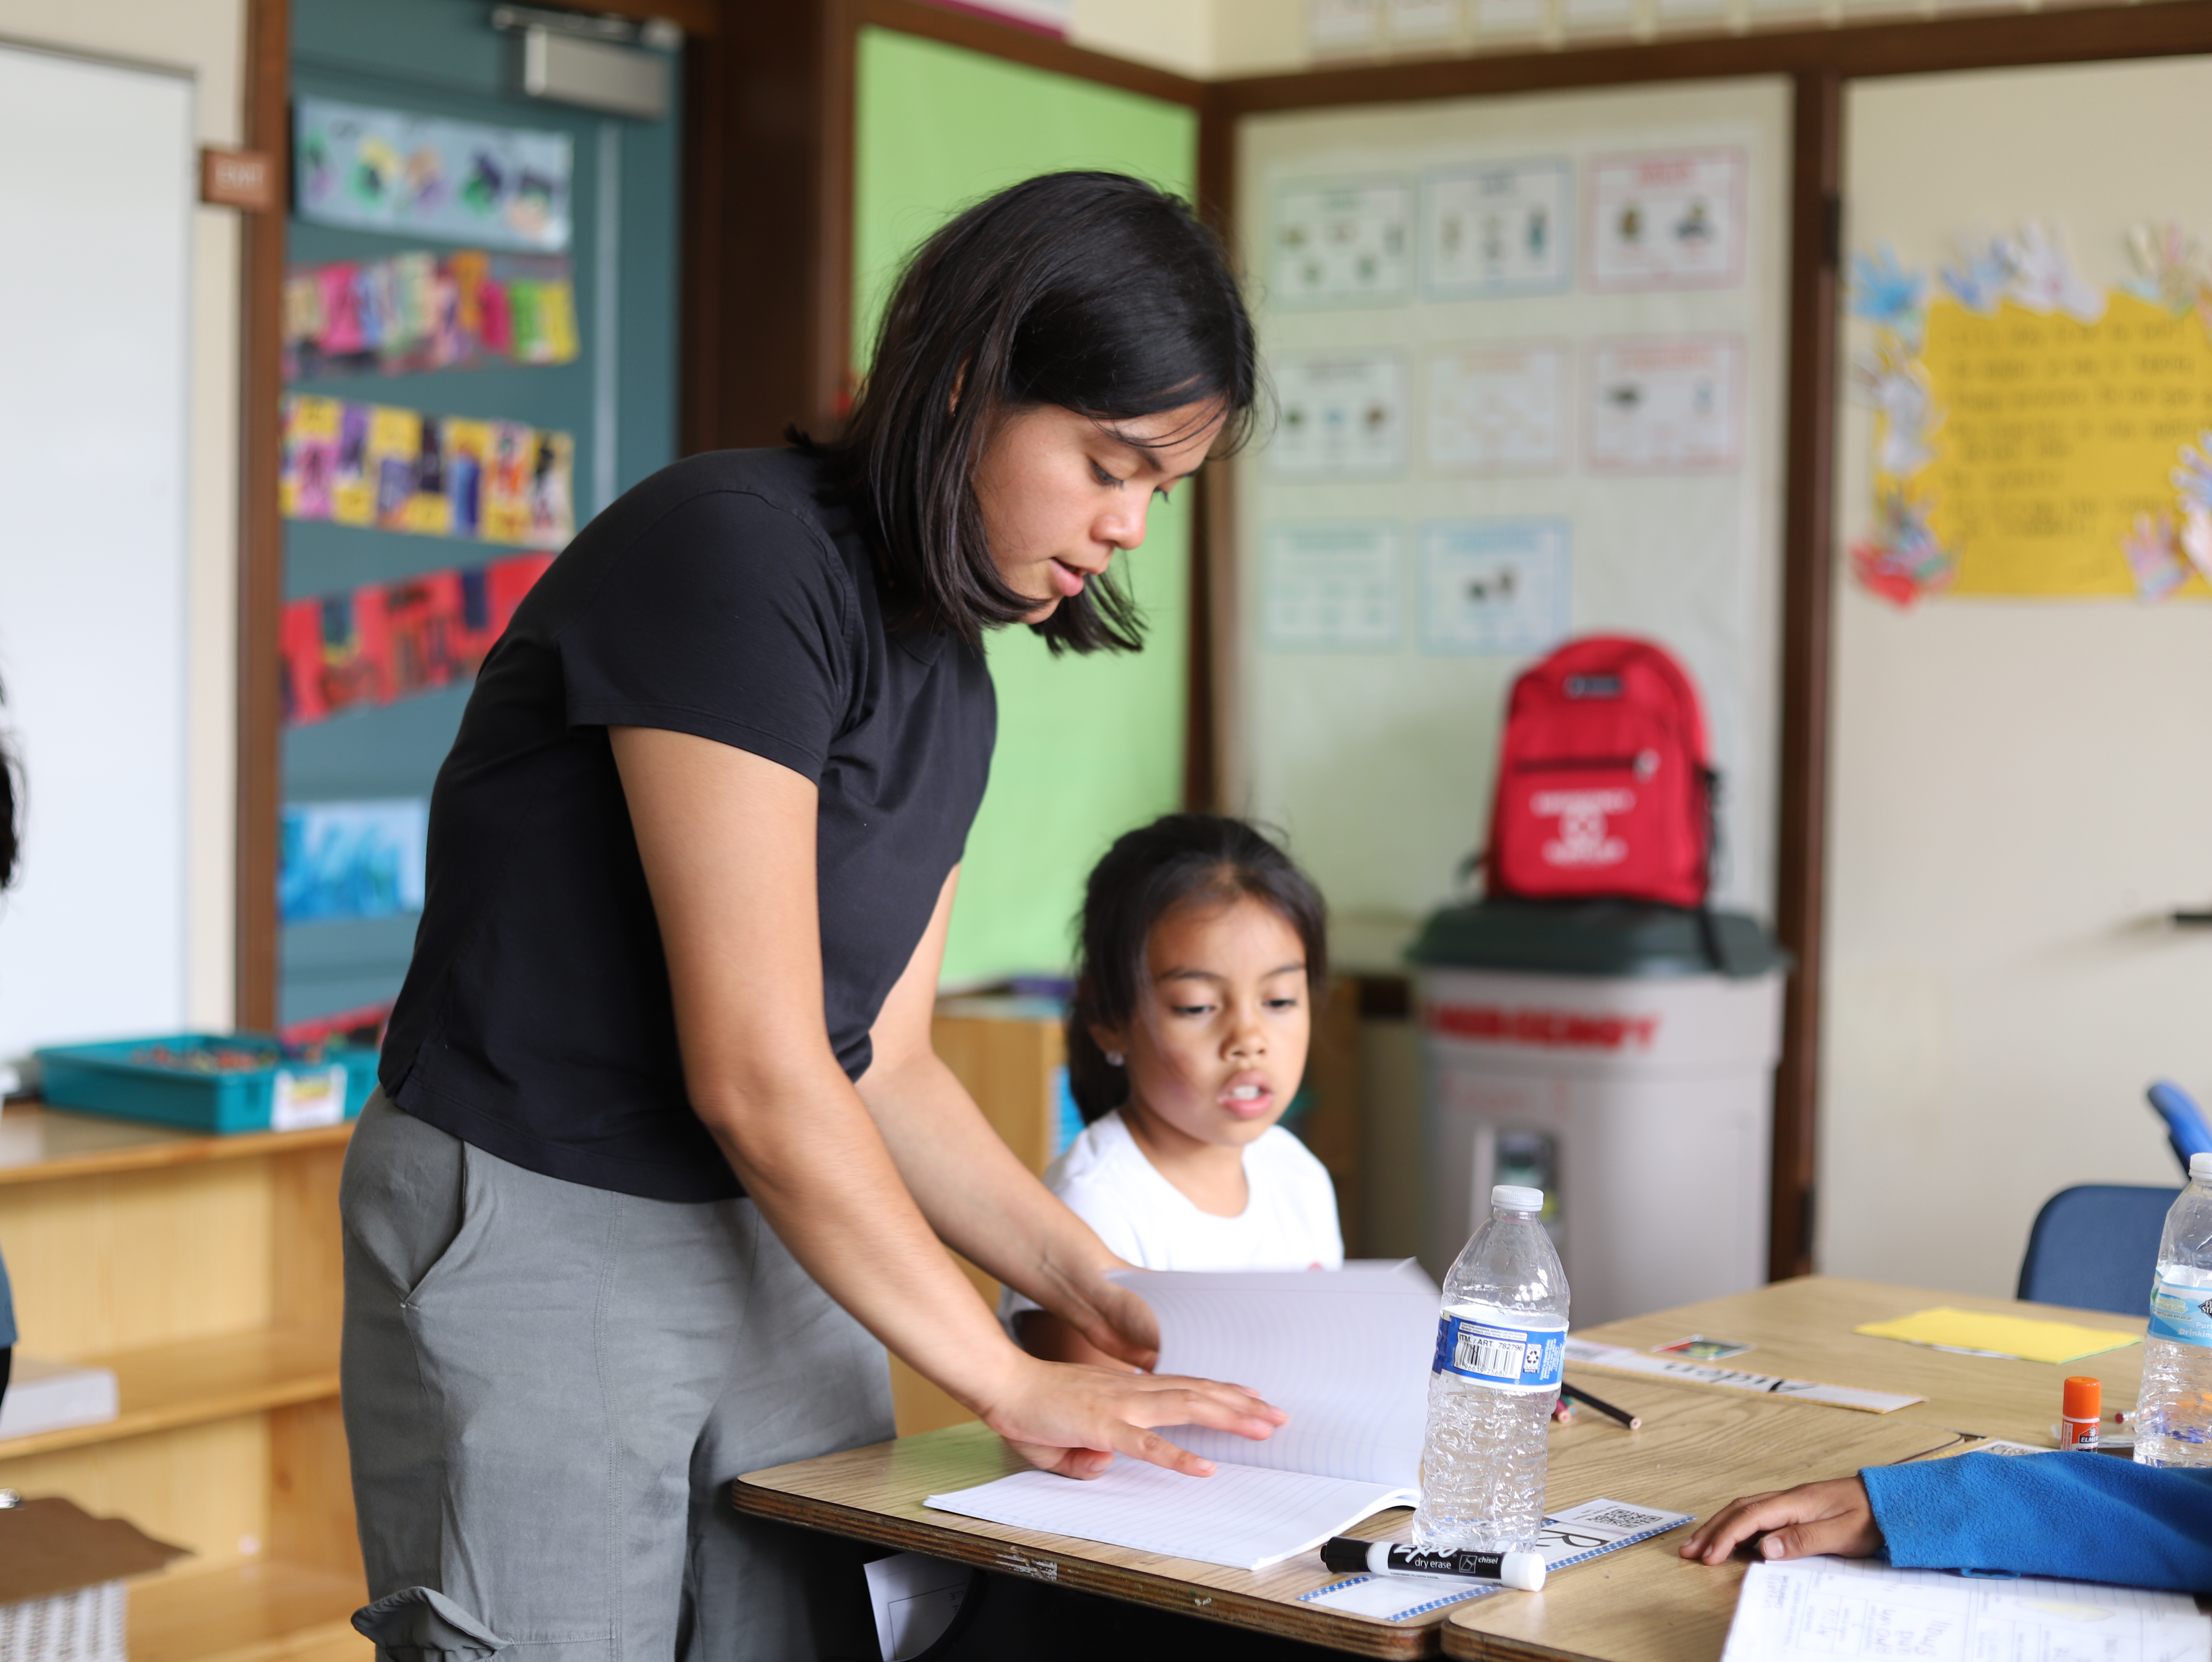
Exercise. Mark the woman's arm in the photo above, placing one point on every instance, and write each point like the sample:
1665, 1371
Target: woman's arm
727, 842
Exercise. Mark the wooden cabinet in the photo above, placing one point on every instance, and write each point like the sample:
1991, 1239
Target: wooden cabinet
205, 1272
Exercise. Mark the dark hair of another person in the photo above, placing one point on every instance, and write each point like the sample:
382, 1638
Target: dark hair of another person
1179, 859
11, 791
1095, 292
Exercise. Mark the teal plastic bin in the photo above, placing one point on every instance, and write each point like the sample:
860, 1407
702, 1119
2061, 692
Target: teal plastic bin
127, 1078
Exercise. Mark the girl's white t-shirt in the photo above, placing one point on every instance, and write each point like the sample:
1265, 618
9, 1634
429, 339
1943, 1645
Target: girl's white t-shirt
1289, 1220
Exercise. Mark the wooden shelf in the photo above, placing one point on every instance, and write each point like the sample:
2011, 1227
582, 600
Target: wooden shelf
258, 1612
162, 1386
38, 1144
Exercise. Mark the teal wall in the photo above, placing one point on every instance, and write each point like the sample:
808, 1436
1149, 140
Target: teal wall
1087, 747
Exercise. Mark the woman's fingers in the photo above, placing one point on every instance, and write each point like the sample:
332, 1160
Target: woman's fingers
1073, 1420
1831, 1516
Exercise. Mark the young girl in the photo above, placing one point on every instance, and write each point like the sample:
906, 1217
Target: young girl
1201, 946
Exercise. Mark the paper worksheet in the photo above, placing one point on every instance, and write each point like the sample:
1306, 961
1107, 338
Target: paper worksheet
1816, 1609
1345, 1352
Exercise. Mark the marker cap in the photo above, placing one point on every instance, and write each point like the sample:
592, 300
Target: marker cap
1512, 1198
2085, 1397
1344, 1554
1523, 1571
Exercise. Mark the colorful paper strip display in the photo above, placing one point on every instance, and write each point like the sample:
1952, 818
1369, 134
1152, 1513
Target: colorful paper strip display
417, 311
433, 476
386, 641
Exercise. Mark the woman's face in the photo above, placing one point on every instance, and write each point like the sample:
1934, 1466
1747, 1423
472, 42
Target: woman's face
1060, 492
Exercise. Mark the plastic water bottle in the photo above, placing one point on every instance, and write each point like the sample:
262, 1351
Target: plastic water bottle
2175, 1411
1493, 1384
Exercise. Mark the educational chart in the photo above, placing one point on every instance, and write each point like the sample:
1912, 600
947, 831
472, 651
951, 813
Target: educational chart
433, 476
1342, 415
1662, 406
456, 181
1499, 230
1500, 409
1332, 588
1666, 219
2034, 434
1344, 242
418, 311
1494, 586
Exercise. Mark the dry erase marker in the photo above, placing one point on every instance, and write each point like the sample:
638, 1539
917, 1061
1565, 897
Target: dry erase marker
2082, 1406
1347, 1555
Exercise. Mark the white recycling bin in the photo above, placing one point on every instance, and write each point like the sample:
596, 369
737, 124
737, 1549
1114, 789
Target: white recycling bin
1595, 1051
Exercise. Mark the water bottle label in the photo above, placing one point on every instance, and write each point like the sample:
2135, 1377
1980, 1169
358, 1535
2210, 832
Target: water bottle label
1511, 1358
2180, 1312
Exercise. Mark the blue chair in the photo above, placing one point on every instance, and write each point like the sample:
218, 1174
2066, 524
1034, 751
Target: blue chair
2096, 1246
2186, 1131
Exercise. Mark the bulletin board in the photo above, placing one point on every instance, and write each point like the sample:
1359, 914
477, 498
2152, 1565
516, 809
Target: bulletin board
96, 177
1527, 356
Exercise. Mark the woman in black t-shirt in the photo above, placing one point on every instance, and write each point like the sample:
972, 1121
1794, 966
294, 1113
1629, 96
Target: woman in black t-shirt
662, 1155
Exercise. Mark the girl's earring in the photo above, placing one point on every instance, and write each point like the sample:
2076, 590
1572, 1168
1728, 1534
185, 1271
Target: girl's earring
1114, 1058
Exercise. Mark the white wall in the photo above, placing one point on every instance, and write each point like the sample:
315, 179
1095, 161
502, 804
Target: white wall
2021, 789
208, 37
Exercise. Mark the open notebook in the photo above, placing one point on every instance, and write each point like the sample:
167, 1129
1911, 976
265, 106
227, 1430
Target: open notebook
1345, 1352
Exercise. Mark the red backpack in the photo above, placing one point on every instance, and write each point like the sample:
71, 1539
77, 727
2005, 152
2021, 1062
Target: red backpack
1605, 787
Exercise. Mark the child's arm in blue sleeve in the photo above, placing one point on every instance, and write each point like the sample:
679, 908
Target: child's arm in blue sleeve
2089, 1517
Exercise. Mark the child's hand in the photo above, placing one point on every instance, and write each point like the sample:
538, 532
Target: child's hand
1833, 1517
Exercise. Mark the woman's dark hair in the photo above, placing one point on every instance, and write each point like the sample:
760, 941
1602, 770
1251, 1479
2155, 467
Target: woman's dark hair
1179, 859
1095, 292
11, 793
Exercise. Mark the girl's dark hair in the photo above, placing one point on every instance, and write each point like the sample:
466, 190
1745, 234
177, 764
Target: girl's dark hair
1095, 292
11, 791
1179, 859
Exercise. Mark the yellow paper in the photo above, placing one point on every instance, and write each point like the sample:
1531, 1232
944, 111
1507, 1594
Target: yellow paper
2051, 436
2010, 1336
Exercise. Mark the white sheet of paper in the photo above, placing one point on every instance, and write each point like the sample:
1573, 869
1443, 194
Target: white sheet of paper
1619, 1358
1331, 588
1500, 409
1495, 587
1667, 219
914, 1597
1666, 404
1502, 228
1816, 1609
1343, 242
1343, 416
1423, 20
1346, 1353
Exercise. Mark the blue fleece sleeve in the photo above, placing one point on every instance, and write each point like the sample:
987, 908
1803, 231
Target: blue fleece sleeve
2087, 1517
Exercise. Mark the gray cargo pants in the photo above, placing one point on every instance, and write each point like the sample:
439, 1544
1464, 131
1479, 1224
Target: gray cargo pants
548, 1389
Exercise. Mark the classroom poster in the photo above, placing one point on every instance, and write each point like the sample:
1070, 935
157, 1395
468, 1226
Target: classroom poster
1506, 19
1331, 588
1423, 20
1670, 218
1494, 587
1502, 228
1666, 404
1349, 242
2035, 434
1335, 25
431, 476
386, 641
1500, 409
418, 312
1343, 416
457, 181
342, 860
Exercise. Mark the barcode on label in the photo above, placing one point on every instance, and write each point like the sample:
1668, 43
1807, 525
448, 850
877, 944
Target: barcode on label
1478, 1355
1621, 1517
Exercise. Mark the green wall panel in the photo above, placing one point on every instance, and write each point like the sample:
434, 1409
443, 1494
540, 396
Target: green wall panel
1087, 747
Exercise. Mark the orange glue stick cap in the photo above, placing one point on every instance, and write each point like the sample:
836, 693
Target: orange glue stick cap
2084, 1399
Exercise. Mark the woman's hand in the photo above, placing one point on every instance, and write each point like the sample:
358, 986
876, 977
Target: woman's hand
1833, 1517
1073, 1420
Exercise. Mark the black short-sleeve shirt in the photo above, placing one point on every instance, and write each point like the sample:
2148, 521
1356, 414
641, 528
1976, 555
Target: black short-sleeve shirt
727, 596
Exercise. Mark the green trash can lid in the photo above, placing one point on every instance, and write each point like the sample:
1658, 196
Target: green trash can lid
1596, 937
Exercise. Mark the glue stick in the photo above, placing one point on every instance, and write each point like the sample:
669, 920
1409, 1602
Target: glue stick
2082, 1406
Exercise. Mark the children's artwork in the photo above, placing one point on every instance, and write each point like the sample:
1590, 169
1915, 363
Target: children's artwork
457, 181
1666, 219
2034, 434
1666, 404
419, 311
386, 641
1500, 409
1331, 588
1344, 243
432, 476
1343, 416
351, 859
1499, 229
1494, 587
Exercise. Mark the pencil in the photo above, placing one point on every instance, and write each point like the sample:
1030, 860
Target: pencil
1576, 1393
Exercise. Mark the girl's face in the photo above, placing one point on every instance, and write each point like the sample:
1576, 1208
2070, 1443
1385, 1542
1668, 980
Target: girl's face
1060, 492
1218, 1044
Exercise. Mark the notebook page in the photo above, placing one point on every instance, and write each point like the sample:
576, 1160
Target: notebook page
1346, 1353
1243, 1517
1819, 1610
